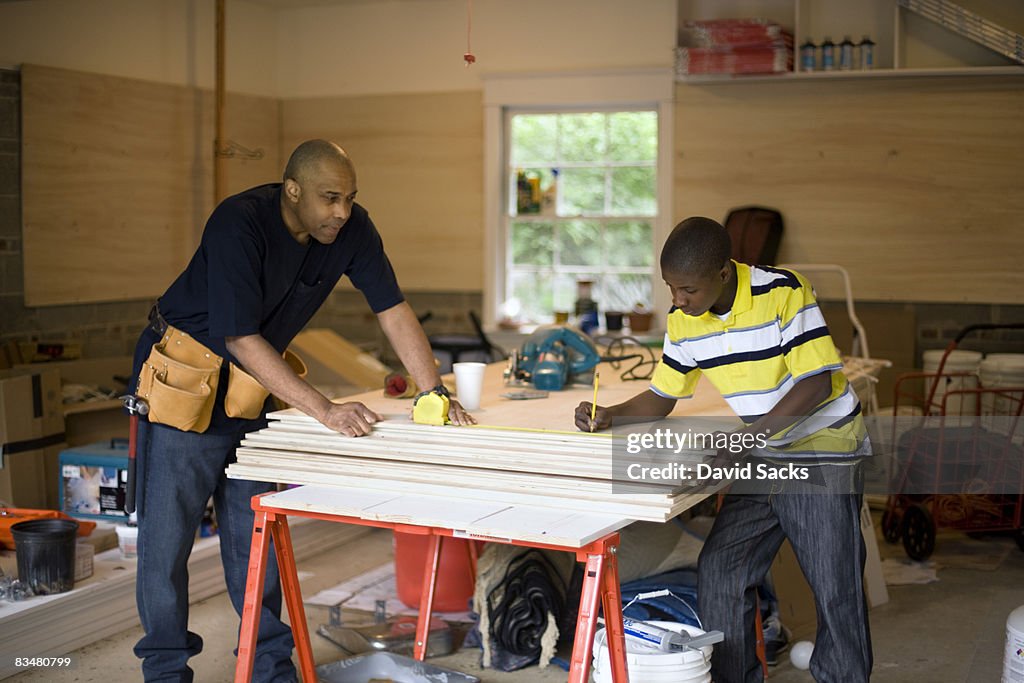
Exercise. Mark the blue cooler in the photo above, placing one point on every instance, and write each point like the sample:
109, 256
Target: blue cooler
94, 479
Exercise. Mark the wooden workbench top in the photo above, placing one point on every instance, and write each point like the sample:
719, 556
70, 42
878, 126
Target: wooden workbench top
556, 411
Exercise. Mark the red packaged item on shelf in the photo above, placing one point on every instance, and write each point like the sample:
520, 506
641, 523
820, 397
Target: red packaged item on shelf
733, 47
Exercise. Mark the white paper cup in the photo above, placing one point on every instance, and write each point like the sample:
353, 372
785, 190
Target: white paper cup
128, 540
469, 382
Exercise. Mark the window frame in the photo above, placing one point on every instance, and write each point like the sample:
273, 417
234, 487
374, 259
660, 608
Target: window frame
505, 95
603, 219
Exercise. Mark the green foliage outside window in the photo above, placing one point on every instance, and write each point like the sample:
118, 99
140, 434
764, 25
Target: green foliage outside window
582, 205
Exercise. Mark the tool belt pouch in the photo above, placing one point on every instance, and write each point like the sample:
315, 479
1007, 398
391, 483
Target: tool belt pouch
179, 381
296, 363
245, 396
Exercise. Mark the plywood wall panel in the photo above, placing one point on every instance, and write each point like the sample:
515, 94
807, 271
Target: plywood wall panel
117, 180
914, 185
419, 161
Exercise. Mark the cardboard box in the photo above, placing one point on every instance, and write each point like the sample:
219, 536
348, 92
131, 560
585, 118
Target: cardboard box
103, 537
94, 420
31, 435
93, 480
84, 554
796, 601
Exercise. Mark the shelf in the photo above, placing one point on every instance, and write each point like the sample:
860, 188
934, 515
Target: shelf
902, 37
91, 406
847, 75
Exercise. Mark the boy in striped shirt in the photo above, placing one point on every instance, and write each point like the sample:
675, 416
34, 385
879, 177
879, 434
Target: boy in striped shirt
758, 336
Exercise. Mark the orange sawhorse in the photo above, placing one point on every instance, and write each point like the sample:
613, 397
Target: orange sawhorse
600, 585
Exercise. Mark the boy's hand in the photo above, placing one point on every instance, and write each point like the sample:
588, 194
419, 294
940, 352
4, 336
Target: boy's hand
602, 417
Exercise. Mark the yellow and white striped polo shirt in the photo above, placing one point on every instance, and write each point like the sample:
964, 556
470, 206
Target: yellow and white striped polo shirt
773, 337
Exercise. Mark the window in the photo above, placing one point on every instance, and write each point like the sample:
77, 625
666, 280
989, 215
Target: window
582, 202
609, 137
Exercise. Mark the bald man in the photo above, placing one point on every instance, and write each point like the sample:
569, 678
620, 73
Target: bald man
268, 259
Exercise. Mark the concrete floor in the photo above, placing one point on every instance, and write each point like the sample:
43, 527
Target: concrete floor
951, 631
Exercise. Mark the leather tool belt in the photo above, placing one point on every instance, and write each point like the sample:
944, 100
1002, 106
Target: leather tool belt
179, 380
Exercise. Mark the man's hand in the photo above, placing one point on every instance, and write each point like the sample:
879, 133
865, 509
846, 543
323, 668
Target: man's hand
458, 415
602, 417
350, 419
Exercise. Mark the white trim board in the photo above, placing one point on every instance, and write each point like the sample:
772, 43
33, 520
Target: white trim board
507, 451
512, 459
491, 479
549, 469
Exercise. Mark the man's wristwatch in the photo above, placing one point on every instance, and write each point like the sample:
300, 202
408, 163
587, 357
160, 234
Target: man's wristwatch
440, 390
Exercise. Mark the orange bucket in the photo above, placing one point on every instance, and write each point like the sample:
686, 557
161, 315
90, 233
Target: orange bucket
455, 579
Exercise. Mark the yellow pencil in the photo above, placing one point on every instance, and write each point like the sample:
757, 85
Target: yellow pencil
593, 406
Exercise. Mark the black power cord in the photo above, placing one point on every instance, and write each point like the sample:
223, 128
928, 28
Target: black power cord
519, 605
621, 349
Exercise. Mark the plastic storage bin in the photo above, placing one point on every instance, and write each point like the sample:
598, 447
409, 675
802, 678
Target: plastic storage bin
94, 479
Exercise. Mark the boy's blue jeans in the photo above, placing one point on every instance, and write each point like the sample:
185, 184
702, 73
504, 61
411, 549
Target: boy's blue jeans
821, 519
178, 472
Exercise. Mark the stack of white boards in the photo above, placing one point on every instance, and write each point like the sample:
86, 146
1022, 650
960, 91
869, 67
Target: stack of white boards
542, 468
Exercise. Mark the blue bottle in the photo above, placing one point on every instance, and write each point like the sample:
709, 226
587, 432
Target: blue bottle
867, 53
828, 59
846, 54
808, 56
586, 307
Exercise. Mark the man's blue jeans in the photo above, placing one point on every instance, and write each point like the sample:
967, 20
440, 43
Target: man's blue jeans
178, 472
821, 519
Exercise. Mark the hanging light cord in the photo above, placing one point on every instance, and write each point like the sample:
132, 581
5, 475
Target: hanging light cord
469, 57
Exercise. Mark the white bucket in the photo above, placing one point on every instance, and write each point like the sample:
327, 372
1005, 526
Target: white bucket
128, 540
958, 361
1013, 663
1000, 370
647, 665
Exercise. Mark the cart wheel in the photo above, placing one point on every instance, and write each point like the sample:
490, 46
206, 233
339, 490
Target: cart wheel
918, 531
890, 526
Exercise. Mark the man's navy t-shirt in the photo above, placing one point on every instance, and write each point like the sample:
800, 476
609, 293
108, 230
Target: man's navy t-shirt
250, 276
